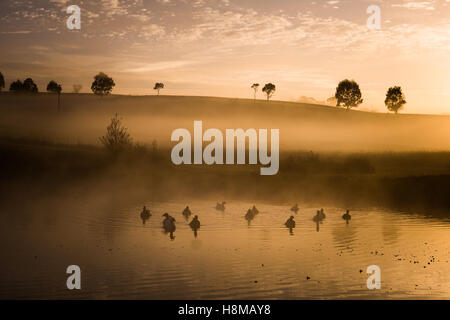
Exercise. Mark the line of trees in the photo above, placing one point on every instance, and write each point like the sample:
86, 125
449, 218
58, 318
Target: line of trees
102, 85
348, 94
269, 89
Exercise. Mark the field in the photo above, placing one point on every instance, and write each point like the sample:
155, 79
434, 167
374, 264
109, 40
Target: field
328, 156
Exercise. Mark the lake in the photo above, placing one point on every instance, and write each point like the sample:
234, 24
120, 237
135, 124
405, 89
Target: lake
120, 257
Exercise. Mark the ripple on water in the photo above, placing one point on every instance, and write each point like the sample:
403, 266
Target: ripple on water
123, 258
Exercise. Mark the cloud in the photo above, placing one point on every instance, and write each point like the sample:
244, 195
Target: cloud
17, 32
416, 5
163, 65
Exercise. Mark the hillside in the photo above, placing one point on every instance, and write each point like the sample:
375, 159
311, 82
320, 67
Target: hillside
302, 126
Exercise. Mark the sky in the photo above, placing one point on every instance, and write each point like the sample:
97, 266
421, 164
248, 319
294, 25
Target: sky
222, 47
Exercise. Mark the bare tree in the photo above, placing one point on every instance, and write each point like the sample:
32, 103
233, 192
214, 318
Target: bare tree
255, 87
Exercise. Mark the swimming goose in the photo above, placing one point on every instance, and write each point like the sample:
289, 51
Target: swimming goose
322, 214
187, 212
347, 216
318, 217
169, 223
290, 223
145, 214
220, 206
195, 223
255, 211
249, 215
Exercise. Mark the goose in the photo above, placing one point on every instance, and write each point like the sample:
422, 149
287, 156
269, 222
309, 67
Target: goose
318, 217
169, 223
187, 212
145, 214
195, 223
322, 214
220, 206
249, 215
290, 223
347, 216
255, 211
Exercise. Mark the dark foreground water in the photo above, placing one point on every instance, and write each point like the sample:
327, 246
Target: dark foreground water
122, 258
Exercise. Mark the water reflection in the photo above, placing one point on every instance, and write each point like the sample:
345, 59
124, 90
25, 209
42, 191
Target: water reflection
123, 260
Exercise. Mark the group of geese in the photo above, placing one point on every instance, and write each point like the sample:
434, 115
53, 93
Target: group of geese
318, 218
169, 221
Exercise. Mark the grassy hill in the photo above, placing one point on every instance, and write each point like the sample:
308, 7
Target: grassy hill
302, 126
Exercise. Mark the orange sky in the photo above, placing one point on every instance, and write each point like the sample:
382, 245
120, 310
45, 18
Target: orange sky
221, 47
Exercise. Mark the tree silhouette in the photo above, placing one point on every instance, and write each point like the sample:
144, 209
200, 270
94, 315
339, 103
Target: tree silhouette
2, 82
158, 86
102, 84
394, 99
53, 87
117, 138
77, 88
348, 93
28, 86
255, 87
16, 86
269, 89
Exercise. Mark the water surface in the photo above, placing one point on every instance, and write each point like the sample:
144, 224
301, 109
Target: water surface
120, 257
